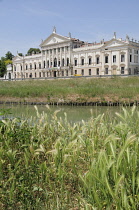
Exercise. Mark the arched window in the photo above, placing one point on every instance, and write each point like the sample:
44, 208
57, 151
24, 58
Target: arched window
55, 62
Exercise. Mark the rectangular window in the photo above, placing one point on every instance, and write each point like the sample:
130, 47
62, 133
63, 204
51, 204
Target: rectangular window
122, 58
39, 65
90, 61
21, 67
75, 71
130, 58
35, 75
58, 63
47, 51
97, 60
62, 73
129, 71
35, 66
82, 72
82, 61
89, 71
67, 73
97, 71
62, 49
43, 74
58, 49
51, 51
106, 59
26, 75
135, 59
26, 67
30, 66
106, 70
75, 62
122, 70
39, 74
114, 58
55, 50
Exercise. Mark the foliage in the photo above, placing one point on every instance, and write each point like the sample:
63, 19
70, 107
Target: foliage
8, 62
20, 54
33, 50
9, 56
56, 165
2, 68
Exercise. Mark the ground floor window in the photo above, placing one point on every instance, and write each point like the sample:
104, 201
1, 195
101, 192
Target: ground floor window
40, 74
75, 71
26, 75
89, 71
62, 73
122, 70
82, 72
129, 71
97, 71
67, 73
35, 75
47, 74
106, 70
43, 74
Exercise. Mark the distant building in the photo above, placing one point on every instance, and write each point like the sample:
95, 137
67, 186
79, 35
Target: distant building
63, 56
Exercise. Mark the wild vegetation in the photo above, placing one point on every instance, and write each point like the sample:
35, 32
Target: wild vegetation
72, 90
56, 165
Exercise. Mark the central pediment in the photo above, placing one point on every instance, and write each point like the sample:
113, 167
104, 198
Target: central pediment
54, 39
114, 43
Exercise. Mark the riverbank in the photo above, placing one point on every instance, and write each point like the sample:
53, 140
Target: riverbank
81, 91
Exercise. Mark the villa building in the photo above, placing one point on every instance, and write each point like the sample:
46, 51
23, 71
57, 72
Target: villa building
63, 56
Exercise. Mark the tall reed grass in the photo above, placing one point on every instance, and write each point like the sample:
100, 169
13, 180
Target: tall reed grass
58, 165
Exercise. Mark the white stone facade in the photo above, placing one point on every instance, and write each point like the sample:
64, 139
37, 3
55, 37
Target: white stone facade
65, 57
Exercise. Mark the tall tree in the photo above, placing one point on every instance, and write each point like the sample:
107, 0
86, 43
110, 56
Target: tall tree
9, 56
2, 68
33, 50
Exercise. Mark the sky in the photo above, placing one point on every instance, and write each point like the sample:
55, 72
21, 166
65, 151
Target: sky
24, 23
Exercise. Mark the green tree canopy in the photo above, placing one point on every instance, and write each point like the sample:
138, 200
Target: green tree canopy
33, 50
9, 56
20, 54
2, 68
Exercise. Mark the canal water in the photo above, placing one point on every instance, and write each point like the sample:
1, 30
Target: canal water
74, 113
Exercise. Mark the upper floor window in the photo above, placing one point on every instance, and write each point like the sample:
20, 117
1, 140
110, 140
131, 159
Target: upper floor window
114, 58
47, 51
62, 49
30, 66
67, 48
130, 58
90, 61
54, 50
106, 59
135, 51
82, 61
51, 51
26, 67
35, 66
63, 62
97, 60
47, 64
58, 49
39, 65
75, 62
21, 67
43, 64
58, 63
67, 61
122, 58
15, 68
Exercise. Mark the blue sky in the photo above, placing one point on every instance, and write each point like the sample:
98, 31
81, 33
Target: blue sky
25, 22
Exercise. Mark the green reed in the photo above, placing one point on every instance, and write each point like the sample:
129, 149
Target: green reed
58, 165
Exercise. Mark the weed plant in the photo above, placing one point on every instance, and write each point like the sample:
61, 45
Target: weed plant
56, 165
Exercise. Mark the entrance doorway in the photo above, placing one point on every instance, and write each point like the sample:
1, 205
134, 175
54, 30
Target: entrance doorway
114, 72
54, 73
9, 75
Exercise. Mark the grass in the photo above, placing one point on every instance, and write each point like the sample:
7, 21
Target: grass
102, 89
57, 165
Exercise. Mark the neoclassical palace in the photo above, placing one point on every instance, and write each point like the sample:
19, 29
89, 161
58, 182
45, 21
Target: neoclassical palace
64, 56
